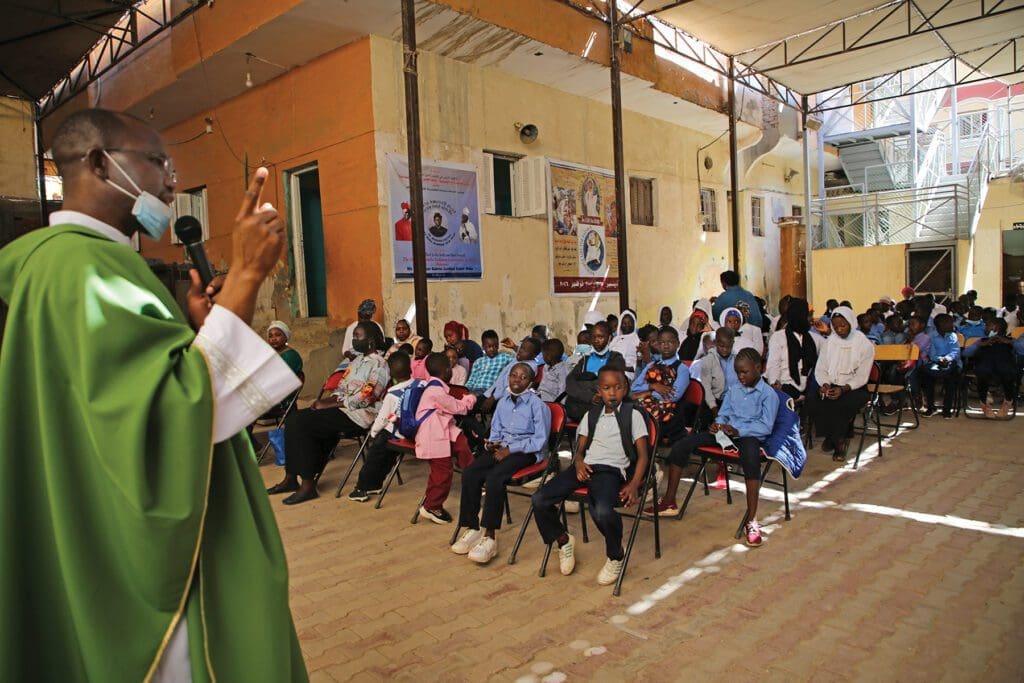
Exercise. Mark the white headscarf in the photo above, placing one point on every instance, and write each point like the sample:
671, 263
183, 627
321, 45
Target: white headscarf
626, 343
846, 360
277, 324
592, 318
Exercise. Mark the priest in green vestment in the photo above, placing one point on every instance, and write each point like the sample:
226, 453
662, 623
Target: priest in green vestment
137, 540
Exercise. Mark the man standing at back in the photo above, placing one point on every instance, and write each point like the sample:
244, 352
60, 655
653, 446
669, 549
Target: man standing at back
734, 294
137, 542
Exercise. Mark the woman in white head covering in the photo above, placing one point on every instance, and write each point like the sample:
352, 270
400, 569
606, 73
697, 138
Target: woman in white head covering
842, 374
278, 335
626, 341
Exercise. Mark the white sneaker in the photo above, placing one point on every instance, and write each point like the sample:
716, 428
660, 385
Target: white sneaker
572, 507
567, 556
484, 551
470, 538
609, 573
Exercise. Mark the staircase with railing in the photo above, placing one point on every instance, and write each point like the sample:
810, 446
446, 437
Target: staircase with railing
897, 192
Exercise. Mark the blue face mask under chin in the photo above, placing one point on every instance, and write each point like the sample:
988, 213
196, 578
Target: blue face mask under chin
152, 214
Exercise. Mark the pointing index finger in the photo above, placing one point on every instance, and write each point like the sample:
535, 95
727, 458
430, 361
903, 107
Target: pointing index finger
252, 196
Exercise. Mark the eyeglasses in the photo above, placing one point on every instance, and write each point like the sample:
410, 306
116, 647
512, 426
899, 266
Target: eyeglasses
161, 161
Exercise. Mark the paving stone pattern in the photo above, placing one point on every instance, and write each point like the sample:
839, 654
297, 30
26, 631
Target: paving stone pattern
846, 590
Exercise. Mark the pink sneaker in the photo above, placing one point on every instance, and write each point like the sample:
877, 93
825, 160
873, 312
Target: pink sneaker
753, 533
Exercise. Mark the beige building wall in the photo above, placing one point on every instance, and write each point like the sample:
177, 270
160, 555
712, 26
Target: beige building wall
18, 176
1003, 205
466, 109
860, 274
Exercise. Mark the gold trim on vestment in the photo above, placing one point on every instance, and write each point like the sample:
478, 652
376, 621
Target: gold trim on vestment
199, 540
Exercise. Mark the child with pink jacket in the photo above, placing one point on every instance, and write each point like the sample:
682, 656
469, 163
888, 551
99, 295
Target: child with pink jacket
438, 438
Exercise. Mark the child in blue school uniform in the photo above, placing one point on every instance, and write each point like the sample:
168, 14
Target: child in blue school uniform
943, 365
746, 417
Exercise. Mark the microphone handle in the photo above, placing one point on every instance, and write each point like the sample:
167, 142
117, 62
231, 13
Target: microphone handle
197, 254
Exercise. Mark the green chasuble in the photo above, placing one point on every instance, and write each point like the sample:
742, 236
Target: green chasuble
120, 515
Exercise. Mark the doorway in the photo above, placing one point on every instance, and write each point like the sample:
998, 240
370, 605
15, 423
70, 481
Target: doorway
932, 270
1013, 263
307, 241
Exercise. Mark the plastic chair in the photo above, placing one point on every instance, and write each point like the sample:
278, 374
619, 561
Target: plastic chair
896, 353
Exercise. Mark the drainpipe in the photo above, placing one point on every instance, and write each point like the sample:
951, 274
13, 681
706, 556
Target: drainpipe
620, 171
412, 126
734, 172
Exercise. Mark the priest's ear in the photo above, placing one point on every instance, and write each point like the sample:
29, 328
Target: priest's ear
95, 163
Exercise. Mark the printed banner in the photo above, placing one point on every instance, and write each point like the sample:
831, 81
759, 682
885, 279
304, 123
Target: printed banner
584, 230
451, 216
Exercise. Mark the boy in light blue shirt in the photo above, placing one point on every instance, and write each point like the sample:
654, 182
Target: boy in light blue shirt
944, 364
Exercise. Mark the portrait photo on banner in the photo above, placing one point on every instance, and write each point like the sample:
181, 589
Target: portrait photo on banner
451, 220
584, 232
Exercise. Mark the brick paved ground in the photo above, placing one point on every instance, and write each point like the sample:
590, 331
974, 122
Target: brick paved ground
908, 569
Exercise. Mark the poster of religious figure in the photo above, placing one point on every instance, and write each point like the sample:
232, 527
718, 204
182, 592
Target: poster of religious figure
451, 219
584, 234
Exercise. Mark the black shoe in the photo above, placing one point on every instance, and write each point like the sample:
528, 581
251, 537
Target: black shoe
928, 412
283, 488
436, 516
827, 445
297, 498
947, 415
358, 495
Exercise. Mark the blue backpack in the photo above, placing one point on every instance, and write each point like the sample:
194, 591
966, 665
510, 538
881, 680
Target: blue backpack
408, 423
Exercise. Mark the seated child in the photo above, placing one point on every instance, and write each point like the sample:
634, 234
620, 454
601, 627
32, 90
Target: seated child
747, 336
717, 370
419, 359
581, 382
661, 383
582, 348
746, 417
459, 373
994, 362
695, 329
610, 462
894, 330
529, 348
647, 349
518, 438
438, 439
377, 458
973, 326
552, 381
487, 367
867, 328
944, 364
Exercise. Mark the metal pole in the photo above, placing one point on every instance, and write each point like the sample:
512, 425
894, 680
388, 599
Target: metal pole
808, 238
44, 217
620, 170
913, 141
412, 126
954, 130
734, 172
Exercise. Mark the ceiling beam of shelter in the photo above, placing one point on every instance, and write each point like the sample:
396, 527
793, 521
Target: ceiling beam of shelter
848, 35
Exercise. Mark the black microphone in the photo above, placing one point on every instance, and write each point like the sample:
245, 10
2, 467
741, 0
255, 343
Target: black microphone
190, 232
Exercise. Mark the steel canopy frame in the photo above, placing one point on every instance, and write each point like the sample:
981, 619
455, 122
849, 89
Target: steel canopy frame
112, 48
917, 23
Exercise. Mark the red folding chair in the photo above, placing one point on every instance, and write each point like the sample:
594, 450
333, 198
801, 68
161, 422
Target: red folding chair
580, 496
724, 458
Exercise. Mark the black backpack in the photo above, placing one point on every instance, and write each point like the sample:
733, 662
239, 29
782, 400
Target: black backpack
580, 387
625, 418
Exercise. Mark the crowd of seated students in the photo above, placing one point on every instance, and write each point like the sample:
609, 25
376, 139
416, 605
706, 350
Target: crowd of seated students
483, 404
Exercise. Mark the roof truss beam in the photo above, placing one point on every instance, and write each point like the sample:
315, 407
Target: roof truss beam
914, 81
113, 47
884, 25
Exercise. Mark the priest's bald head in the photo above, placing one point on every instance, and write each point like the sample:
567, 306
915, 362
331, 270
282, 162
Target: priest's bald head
108, 158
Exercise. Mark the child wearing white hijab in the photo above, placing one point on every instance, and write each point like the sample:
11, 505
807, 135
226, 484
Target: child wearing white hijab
842, 374
626, 341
